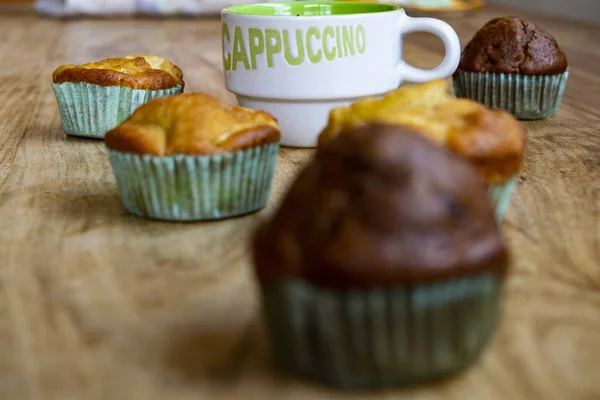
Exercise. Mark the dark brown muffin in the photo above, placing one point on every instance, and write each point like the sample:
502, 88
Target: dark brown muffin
513, 45
380, 206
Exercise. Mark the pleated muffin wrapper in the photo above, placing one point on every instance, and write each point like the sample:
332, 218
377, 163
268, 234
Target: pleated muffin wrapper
527, 97
195, 188
381, 338
500, 196
89, 110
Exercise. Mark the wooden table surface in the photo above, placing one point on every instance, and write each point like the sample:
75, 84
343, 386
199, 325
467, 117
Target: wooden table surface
97, 304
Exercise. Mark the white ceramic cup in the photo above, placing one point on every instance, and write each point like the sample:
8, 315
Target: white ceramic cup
299, 60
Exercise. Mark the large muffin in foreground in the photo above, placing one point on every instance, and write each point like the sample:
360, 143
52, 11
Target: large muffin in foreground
95, 97
492, 141
514, 65
384, 264
191, 157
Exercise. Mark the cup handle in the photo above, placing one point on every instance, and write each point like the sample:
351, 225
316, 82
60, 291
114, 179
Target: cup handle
451, 43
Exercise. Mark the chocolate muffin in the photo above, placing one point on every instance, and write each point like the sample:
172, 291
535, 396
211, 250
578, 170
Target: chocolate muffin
383, 265
513, 46
515, 65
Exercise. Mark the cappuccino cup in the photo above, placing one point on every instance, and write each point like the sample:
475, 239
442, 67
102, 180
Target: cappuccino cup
299, 60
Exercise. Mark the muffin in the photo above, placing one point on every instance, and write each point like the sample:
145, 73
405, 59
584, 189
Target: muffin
191, 157
384, 264
513, 65
94, 98
491, 140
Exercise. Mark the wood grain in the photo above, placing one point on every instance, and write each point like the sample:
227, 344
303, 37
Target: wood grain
97, 304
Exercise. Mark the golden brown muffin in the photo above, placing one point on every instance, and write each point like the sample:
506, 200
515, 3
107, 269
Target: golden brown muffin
493, 141
193, 123
135, 72
512, 45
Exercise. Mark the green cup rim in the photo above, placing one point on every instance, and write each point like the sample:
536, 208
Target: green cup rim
376, 8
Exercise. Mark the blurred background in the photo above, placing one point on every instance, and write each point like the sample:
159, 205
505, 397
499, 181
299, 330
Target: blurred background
583, 10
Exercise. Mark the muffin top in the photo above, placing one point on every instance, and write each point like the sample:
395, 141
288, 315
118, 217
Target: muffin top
194, 124
379, 206
493, 141
135, 72
512, 45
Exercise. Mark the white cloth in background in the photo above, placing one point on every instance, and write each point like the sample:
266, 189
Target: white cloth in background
63, 8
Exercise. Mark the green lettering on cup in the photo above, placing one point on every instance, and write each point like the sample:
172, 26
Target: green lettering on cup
361, 39
257, 44
225, 36
348, 37
273, 44
312, 56
338, 41
329, 54
239, 49
287, 48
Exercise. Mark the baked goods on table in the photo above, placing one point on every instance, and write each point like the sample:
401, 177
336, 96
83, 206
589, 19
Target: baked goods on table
384, 263
513, 65
93, 98
191, 157
491, 140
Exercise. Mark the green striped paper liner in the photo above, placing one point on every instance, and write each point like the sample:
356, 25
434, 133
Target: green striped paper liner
527, 97
89, 110
500, 196
381, 338
195, 188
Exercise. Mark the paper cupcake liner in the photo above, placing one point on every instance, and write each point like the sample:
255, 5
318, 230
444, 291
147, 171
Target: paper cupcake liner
500, 196
90, 110
381, 338
195, 188
527, 97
